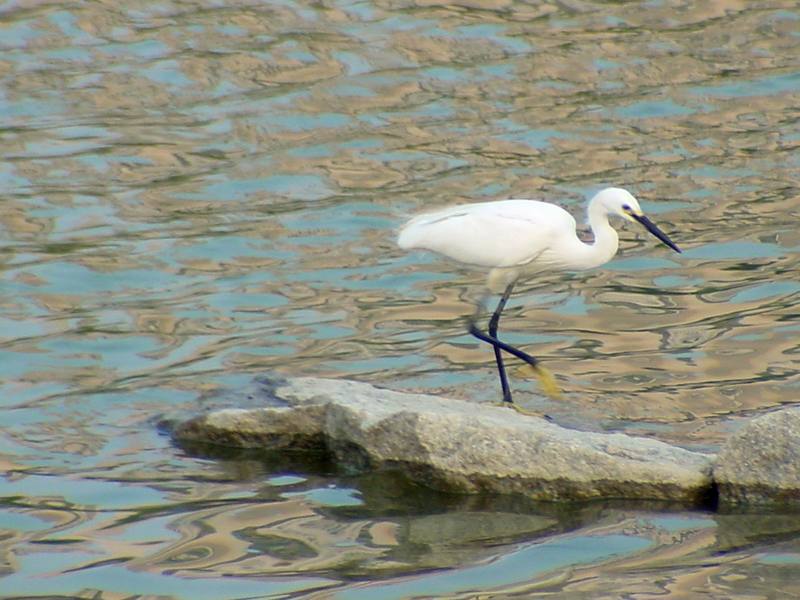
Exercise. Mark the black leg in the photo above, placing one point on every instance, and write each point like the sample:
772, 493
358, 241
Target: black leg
524, 356
494, 322
490, 337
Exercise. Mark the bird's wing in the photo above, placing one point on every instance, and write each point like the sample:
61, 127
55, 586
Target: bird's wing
507, 233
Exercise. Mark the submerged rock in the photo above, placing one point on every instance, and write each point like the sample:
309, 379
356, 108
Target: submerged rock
455, 445
760, 464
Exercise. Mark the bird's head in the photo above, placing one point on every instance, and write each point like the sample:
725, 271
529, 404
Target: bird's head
621, 203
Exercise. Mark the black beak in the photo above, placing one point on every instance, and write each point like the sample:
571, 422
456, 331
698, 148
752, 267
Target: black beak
652, 228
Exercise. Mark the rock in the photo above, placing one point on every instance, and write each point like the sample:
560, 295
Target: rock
760, 464
280, 428
454, 445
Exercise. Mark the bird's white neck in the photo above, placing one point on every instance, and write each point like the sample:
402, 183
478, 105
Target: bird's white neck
606, 240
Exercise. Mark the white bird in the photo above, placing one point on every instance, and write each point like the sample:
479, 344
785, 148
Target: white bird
517, 239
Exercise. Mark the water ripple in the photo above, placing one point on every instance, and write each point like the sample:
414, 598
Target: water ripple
197, 192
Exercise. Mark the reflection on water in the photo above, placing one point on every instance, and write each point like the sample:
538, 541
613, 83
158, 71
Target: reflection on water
197, 192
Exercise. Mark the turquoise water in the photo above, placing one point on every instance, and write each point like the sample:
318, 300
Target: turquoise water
197, 193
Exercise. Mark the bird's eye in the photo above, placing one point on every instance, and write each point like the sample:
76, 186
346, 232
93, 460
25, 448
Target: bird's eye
626, 207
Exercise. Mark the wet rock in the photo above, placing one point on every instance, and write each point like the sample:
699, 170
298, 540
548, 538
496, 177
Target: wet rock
456, 446
760, 464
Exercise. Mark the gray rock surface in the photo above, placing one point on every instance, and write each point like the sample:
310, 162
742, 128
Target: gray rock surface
760, 464
454, 445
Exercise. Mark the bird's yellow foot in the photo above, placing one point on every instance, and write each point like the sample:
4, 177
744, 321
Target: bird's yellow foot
525, 411
547, 382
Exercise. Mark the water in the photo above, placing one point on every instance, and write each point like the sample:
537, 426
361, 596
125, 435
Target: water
195, 193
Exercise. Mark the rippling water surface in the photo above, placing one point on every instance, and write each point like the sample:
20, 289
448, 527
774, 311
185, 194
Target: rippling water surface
197, 192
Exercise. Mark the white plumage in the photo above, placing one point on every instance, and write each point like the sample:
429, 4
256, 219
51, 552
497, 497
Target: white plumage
507, 233
517, 238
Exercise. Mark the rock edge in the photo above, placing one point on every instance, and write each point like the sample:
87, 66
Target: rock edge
460, 446
455, 445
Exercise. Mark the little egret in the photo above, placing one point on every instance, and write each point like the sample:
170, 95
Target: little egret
517, 239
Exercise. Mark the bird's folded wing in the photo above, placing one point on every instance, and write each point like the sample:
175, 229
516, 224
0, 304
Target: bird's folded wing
490, 236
